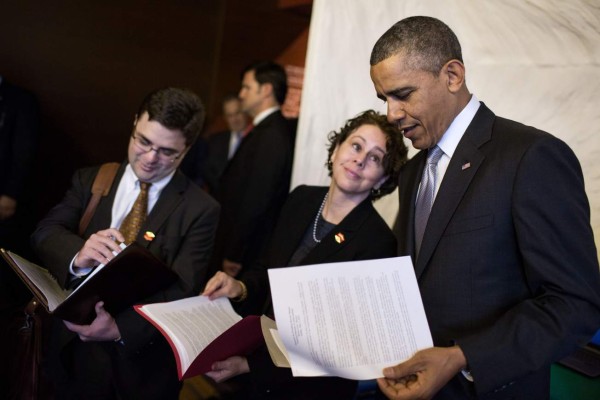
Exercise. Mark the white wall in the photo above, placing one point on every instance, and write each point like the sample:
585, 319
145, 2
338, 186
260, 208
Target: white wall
535, 61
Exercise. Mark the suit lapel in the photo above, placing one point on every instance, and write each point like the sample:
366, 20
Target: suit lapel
167, 202
408, 186
251, 138
296, 226
462, 168
341, 235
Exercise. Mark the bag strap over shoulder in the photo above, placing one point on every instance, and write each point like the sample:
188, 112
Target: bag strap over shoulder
100, 188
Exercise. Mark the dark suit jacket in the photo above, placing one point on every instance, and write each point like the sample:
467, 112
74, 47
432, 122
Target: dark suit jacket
192, 165
19, 122
19, 125
507, 267
216, 159
19, 130
183, 219
253, 189
366, 237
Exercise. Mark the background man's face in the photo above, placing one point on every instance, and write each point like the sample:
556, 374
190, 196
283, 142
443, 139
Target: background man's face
236, 119
251, 94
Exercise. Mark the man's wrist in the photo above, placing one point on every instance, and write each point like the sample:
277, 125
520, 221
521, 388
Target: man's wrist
460, 358
78, 271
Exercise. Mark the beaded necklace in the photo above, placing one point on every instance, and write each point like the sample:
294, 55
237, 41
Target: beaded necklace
314, 232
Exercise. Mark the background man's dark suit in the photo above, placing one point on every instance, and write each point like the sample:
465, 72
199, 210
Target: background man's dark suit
253, 189
19, 125
19, 130
366, 237
192, 165
184, 220
216, 159
494, 274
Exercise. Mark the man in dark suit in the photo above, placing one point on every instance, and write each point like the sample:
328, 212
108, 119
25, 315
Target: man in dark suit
507, 264
19, 130
123, 356
19, 126
256, 181
223, 145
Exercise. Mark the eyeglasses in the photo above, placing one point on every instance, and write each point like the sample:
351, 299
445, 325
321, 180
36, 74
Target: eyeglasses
163, 153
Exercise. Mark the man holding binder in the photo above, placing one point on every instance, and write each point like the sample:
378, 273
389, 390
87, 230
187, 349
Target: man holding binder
152, 203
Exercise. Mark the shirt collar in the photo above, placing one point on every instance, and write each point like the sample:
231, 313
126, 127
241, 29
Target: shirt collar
457, 128
132, 180
264, 114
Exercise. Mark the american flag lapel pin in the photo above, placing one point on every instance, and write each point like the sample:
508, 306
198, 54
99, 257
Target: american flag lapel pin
339, 237
466, 166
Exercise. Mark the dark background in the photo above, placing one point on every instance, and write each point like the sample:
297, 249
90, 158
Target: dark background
90, 63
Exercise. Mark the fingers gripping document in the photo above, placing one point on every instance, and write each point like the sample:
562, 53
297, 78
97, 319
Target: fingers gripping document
349, 319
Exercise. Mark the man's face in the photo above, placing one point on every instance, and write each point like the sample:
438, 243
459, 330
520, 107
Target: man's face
234, 116
251, 94
153, 165
418, 102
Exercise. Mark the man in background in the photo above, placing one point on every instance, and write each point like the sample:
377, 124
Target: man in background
223, 145
495, 216
19, 131
256, 181
123, 356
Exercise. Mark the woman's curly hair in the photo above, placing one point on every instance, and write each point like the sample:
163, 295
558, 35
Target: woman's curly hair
396, 150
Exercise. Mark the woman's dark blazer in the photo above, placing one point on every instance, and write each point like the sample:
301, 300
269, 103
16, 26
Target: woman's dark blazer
366, 236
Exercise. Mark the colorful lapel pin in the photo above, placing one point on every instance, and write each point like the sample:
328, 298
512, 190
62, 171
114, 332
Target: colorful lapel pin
149, 236
339, 237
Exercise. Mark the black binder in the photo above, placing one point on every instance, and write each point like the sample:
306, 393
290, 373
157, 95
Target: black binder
134, 274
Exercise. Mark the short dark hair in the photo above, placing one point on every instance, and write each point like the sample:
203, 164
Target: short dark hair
270, 72
177, 109
396, 151
426, 42
230, 97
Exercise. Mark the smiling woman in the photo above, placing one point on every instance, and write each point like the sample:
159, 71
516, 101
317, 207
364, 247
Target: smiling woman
365, 156
320, 225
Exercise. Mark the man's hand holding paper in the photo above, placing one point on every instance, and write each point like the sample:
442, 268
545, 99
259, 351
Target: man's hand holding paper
423, 375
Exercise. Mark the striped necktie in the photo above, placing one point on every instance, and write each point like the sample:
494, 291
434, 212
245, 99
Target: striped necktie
137, 216
426, 195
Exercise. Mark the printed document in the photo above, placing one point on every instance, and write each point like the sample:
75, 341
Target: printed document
349, 319
201, 331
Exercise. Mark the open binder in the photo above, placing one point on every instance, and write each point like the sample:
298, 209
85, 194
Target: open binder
134, 274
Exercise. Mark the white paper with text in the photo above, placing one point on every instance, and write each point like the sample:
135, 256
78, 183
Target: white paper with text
192, 323
349, 319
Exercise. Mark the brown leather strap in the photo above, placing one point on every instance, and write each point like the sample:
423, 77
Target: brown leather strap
100, 187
